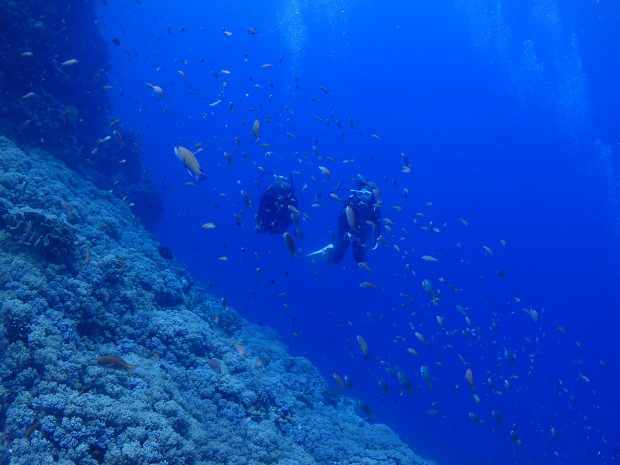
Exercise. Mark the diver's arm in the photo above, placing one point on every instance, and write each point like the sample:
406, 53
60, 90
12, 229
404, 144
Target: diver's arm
375, 239
376, 219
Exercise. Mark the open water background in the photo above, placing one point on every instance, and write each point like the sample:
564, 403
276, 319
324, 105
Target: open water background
507, 112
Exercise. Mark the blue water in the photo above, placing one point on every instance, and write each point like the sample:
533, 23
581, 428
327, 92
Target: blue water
507, 112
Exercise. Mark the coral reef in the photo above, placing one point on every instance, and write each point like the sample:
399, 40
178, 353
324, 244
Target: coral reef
116, 295
51, 235
53, 75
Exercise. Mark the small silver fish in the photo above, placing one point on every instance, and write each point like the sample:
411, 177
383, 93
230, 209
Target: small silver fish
361, 342
187, 158
350, 216
428, 287
405, 381
426, 376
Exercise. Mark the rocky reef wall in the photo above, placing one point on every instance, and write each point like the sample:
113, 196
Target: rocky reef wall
54, 95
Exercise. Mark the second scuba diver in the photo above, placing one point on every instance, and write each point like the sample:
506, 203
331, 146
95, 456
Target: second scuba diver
359, 224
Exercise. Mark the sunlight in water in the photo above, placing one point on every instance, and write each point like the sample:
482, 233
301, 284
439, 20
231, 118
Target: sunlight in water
545, 70
605, 158
538, 68
294, 34
294, 20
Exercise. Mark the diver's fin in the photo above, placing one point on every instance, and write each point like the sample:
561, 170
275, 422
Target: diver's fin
321, 253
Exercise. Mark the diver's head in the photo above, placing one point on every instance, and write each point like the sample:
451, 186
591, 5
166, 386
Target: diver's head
361, 184
365, 189
365, 194
365, 183
282, 181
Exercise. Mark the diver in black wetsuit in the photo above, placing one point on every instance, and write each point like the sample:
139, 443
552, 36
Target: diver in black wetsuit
359, 224
274, 215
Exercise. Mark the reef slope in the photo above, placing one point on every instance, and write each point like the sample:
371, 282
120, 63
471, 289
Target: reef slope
81, 279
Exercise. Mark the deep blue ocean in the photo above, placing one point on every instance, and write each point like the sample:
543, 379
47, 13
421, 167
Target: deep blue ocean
508, 114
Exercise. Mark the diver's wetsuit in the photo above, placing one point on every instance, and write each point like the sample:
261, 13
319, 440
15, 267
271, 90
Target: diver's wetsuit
367, 226
273, 214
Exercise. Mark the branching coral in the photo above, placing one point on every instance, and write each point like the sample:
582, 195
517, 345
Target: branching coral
49, 234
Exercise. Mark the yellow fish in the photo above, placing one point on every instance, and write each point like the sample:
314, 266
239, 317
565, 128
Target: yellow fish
364, 265
350, 216
469, 377
214, 365
429, 288
255, 128
190, 163
115, 362
426, 376
290, 244
361, 342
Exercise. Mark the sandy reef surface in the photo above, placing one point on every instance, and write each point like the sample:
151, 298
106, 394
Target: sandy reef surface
81, 279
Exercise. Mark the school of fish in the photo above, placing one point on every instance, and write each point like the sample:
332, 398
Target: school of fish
435, 324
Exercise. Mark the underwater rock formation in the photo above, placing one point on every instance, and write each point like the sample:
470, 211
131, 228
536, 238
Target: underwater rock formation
50, 234
188, 396
53, 76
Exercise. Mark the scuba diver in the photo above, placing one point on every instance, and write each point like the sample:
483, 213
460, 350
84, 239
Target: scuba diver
359, 224
278, 206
